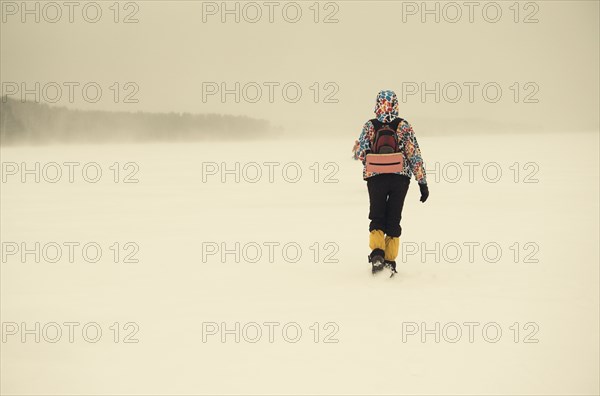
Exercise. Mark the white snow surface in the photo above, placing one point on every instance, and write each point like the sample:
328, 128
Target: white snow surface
172, 292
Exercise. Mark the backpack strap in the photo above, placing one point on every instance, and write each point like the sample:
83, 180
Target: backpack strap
376, 124
394, 124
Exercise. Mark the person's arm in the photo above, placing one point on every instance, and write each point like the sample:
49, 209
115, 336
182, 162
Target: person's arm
355, 150
413, 154
364, 141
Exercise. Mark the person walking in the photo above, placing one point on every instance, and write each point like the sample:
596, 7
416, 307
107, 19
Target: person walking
390, 154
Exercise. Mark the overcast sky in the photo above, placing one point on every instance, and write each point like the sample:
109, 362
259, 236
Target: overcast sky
170, 53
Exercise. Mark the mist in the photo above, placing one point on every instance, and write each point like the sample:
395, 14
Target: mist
181, 212
453, 63
35, 123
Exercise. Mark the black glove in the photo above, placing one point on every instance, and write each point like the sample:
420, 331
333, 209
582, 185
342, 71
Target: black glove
424, 192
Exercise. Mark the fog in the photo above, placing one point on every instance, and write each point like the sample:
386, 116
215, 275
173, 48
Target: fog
34, 123
183, 58
181, 213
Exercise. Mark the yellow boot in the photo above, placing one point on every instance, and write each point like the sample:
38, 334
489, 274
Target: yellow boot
377, 245
376, 240
392, 244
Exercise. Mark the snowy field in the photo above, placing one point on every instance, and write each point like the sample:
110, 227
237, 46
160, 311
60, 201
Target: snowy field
517, 247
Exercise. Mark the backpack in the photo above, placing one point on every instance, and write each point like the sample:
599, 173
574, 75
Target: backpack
386, 137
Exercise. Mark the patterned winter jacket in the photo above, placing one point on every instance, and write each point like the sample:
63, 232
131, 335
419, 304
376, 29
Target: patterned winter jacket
386, 110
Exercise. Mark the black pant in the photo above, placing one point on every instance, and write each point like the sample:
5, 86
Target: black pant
386, 195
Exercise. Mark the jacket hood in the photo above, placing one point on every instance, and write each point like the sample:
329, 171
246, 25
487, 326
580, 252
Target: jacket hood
386, 106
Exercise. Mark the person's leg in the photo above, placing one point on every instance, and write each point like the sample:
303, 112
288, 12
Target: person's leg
393, 215
392, 245
377, 243
378, 191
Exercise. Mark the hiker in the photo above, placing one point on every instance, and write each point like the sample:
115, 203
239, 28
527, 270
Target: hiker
390, 154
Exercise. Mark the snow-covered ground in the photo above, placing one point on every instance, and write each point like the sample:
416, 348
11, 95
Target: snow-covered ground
182, 293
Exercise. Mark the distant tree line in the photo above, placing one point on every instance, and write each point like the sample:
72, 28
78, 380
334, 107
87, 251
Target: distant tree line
34, 123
